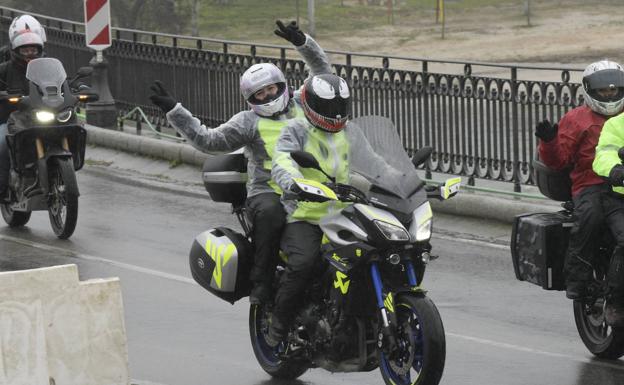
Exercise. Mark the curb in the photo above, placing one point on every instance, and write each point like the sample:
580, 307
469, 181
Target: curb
135, 144
489, 206
473, 204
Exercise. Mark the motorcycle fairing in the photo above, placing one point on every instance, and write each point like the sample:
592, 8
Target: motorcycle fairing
23, 150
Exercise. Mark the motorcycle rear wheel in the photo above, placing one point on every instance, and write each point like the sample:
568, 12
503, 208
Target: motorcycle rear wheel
267, 356
14, 218
421, 343
63, 205
600, 339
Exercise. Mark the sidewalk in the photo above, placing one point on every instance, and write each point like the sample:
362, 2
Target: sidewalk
484, 212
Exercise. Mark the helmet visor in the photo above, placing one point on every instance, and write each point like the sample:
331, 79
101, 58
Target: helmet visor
268, 97
605, 86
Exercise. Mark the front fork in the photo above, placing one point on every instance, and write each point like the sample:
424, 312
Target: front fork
42, 166
386, 339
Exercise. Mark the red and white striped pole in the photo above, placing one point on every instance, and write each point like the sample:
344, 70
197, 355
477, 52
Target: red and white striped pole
98, 37
97, 25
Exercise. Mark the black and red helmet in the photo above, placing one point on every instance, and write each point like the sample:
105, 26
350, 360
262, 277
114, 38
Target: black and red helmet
326, 102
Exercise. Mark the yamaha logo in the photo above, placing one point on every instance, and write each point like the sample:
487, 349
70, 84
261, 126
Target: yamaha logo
200, 263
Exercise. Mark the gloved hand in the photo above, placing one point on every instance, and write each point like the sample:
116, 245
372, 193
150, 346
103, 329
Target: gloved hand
546, 131
161, 97
290, 32
616, 175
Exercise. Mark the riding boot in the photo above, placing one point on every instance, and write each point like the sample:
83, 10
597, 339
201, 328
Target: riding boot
579, 275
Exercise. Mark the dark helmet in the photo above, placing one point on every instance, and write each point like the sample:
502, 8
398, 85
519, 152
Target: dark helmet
326, 102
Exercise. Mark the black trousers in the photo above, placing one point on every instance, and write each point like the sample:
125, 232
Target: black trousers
301, 241
268, 218
613, 206
590, 222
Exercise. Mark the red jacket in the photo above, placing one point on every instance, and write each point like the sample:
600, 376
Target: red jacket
575, 145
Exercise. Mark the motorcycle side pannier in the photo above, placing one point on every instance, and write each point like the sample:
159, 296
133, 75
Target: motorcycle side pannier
225, 178
538, 246
220, 261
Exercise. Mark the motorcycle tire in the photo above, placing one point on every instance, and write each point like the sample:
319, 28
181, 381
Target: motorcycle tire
63, 205
600, 339
422, 344
14, 218
267, 356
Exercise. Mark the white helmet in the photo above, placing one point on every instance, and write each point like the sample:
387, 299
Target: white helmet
26, 30
603, 75
259, 76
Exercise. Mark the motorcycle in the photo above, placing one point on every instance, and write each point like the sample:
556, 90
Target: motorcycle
538, 245
368, 308
46, 145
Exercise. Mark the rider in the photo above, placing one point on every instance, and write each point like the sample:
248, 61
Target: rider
572, 145
608, 164
271, 103
327, 134
26, 37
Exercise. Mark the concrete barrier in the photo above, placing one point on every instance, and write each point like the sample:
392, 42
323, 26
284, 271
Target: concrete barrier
55, 329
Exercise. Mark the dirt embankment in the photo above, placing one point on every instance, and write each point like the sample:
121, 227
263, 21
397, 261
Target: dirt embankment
561, 32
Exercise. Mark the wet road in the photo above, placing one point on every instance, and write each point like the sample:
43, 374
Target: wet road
499, 331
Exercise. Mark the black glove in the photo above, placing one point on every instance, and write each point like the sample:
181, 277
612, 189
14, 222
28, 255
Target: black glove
546, 131
616, 175
290, 32
161, 97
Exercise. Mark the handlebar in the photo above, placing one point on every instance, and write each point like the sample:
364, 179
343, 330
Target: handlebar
347, 193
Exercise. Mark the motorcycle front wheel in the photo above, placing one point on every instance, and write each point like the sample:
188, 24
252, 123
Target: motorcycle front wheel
421, 344
600, 339
63, 204
266, 355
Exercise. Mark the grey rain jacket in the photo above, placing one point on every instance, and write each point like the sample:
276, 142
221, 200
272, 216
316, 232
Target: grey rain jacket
336, 153
242, 129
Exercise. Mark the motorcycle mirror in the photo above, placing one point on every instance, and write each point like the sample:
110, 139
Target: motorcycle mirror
422, 155
305, 159
83, 72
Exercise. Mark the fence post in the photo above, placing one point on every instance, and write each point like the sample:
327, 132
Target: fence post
103, 112
515, 129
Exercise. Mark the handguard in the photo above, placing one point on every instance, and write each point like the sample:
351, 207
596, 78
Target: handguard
445, 191
314, 191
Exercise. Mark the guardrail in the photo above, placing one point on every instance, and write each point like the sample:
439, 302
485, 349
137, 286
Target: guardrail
479, 117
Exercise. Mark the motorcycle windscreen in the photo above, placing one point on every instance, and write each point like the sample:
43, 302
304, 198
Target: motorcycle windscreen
48, 75
379, 156
220, 261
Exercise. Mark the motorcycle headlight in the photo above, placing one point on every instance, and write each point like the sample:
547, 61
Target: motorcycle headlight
392, 232
64, 116
44, 116
421, 223
423, 231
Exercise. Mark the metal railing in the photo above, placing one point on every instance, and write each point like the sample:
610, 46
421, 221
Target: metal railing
479, 117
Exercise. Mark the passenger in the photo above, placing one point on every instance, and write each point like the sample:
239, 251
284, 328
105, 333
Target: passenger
271, 103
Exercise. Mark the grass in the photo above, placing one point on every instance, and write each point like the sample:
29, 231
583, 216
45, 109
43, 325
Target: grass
94, 162
253, 20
